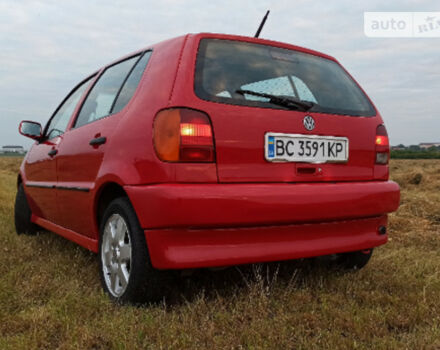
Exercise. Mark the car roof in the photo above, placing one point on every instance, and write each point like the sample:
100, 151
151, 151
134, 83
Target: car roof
199, 36
261, 42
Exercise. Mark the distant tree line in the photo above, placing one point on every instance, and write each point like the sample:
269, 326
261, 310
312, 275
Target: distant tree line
415, 152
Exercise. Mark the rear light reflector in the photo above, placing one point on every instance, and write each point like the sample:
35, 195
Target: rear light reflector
183, 135
382, 145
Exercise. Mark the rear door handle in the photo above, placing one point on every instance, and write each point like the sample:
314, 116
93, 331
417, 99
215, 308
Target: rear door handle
52, 152
98, 141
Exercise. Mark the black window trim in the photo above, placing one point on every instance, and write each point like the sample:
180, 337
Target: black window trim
125, 80
76, 87
100, 74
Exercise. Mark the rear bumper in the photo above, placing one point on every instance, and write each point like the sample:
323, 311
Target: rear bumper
185, 248
200, 225
226, 205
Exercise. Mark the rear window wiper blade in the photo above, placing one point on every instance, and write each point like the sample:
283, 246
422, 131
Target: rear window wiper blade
291, 103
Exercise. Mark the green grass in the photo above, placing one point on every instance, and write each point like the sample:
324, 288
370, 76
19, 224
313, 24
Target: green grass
50, 297
10, 154
410, 154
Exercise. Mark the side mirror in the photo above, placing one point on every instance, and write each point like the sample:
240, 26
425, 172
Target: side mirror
30, 129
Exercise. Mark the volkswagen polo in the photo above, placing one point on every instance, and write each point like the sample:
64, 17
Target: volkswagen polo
210, 150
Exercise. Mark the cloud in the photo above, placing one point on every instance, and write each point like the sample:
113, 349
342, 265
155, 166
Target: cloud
49, 46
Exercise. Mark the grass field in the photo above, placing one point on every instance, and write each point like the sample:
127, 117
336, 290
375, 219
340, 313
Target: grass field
50, 297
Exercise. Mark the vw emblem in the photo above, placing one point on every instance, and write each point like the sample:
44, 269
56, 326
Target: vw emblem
309, 123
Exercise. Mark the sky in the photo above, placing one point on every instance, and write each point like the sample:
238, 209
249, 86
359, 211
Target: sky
47, 47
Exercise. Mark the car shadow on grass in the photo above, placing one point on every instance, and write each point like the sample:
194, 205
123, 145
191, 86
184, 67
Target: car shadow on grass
187, 286
263, 278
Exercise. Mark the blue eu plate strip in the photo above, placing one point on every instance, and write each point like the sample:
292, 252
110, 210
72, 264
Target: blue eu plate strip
271, 146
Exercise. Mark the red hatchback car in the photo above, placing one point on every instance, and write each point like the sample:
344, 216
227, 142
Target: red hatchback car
210, 150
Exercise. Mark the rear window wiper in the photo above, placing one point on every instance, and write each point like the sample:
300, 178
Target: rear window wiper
289, 102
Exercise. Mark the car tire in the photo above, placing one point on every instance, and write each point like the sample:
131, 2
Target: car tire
354, 260
126, 272
23, 214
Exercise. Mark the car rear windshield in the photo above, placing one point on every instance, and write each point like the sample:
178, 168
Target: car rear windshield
224, 67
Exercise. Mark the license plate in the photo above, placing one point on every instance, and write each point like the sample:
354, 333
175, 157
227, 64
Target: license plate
305, 148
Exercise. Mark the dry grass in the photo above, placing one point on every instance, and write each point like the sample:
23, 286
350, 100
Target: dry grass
50, 296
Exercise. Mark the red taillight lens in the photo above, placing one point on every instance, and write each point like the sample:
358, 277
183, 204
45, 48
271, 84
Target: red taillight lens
183, 135
382, 145
381, 140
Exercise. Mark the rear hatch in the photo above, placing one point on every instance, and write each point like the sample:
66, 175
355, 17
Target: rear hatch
282, 115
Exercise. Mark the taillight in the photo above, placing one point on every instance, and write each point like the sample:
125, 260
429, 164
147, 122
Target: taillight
382, 145
183, 135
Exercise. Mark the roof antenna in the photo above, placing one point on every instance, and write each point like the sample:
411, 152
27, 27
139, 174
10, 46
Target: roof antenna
257, 34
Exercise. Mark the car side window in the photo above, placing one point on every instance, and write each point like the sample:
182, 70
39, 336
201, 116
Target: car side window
100, 100
58, 123
130, 85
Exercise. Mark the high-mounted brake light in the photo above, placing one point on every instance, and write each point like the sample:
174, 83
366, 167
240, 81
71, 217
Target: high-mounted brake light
382, 145
183, 135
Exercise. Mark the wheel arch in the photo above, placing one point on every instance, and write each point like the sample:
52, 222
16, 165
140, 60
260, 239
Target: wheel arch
105, 195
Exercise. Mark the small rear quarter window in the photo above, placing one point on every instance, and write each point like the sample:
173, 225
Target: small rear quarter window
130, 85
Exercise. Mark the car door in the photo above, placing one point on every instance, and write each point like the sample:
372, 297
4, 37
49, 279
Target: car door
40, 171
41, 163
82, 148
